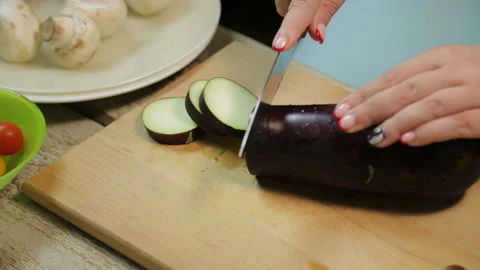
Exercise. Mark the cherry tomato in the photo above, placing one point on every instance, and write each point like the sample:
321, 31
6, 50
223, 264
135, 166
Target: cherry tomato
11, 138
3, 166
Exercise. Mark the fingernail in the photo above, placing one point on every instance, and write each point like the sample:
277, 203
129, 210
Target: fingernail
341, 110
279, 43
407, 137
347, 122
320, 33
376, 136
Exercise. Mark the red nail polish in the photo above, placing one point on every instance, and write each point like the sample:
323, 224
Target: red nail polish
335, 116
338, 124
279, 44
318, 36
277, 49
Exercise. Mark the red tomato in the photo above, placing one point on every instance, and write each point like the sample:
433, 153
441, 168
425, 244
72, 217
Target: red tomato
11, 138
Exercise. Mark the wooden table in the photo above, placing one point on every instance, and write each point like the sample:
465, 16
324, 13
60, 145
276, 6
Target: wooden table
32, 237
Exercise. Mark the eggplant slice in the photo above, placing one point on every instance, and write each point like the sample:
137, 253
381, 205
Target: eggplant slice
192, 105
227, 106
167, 122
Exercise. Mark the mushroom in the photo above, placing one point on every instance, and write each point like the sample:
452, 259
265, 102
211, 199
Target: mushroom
19, 31
148, 7
109, 15
73, 36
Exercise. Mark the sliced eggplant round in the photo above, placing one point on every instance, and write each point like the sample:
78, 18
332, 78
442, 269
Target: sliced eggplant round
192, 105
167, 122
227, 106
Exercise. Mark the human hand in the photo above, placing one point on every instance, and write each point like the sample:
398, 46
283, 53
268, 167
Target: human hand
300, 15
431, 98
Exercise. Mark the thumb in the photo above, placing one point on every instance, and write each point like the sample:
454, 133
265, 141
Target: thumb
325, 12
299, 16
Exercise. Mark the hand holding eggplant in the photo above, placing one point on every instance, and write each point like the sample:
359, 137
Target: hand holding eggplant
299, 15
431, 98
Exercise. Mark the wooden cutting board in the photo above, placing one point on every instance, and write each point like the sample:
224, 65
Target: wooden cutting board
197, 207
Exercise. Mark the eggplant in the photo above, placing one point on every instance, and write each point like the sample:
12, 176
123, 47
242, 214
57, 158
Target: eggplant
305, 143
226, 106
167, 122
192, 105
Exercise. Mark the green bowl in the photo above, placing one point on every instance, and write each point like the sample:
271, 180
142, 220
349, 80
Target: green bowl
23, 112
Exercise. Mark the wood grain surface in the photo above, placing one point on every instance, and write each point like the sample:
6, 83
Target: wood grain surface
34, 238
196, 206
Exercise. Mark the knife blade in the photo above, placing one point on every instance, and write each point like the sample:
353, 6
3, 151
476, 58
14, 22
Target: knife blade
270, 89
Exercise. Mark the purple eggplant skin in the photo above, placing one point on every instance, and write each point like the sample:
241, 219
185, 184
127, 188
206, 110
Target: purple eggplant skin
198, 118
305, 143
177, 139
212, 121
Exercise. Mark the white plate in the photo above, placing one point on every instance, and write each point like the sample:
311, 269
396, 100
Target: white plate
118, 90
143, 48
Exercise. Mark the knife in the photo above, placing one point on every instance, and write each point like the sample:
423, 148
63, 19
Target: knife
270, 88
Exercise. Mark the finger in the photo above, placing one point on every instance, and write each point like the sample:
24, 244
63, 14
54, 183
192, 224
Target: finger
386, 103
463, 125
322, 18
282, 7
440, 104
297, 19
424, 63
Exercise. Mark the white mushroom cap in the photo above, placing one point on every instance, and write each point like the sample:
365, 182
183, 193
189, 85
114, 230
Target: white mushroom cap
148, 7
109, 15
19, 31
73, 36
